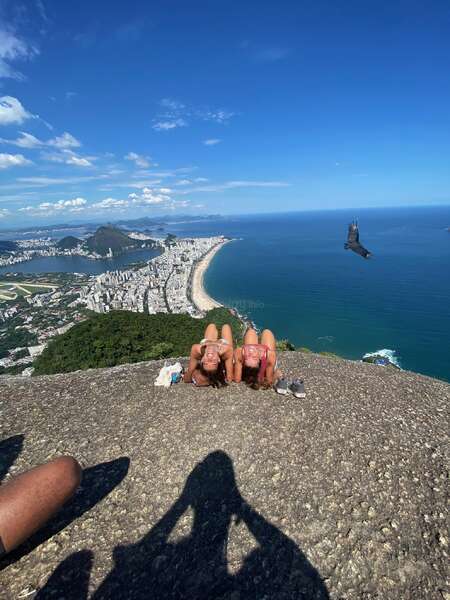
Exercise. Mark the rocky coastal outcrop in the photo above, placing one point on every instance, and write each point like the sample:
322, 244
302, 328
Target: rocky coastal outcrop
235, 494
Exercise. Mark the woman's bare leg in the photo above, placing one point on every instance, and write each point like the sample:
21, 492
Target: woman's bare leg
30, 499
227, 334
211, 332
250, 337
268, 339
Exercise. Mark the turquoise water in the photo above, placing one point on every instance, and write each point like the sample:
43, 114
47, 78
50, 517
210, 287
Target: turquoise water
290, 273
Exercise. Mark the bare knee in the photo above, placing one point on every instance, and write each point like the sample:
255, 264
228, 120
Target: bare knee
211, 332
68, 472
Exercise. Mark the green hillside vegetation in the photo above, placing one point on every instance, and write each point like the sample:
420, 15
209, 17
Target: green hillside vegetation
285, 345
15, 338
68, 242
125, 337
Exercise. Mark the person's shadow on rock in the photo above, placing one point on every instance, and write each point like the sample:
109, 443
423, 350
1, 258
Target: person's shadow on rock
196, 567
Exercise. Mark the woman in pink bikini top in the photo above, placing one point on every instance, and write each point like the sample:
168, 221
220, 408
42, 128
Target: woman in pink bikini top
255, 362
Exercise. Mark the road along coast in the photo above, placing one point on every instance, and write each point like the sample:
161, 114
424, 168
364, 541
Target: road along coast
201, 300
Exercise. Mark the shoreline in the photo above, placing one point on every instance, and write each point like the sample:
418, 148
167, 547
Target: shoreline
200, 298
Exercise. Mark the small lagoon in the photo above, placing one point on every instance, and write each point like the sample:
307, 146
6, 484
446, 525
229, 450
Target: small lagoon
79, 264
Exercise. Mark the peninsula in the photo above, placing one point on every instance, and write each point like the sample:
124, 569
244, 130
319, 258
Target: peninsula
107, 241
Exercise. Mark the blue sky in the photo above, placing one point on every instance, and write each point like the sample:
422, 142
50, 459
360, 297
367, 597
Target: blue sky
113, 109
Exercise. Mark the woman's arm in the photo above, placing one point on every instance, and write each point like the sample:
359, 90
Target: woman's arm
270, 368
238, 365
228, 360
193, 364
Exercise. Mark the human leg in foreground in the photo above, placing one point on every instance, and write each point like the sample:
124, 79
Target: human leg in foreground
29, 500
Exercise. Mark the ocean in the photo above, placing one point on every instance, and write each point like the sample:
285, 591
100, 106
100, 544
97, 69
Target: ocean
290, 273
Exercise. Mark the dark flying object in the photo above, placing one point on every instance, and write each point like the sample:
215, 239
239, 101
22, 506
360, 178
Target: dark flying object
353, 241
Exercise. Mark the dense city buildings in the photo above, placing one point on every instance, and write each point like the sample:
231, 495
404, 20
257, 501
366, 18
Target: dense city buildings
33, 309
163, 285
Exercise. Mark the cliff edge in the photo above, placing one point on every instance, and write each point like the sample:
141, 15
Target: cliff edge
235, 494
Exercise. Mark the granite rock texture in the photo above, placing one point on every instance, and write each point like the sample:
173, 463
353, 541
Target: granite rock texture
234, 494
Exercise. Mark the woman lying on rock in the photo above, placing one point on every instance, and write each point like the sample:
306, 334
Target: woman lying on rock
256, 362
256, 365
211, 361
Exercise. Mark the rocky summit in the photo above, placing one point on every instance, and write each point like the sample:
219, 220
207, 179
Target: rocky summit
234, 494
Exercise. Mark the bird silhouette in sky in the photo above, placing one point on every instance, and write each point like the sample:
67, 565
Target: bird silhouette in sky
353, 243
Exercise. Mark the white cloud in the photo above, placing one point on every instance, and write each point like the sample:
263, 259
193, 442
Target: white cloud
12, 111
68, 157
218, 116
74, 202
149, 196
62, 142
172, 104
25, 140
47, 208
4, 212
180, 115
13, 160
66, 140
229, 185
212, 142
27, 182
78, 161
12, 49
111, 203
41, 8
170, 124
138, 159
269, 184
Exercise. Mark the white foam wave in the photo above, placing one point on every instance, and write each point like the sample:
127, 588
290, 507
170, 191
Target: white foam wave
391, 355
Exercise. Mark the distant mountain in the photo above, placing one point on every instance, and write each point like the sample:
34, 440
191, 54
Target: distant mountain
158, 221
68, 242
7, 246
108, 238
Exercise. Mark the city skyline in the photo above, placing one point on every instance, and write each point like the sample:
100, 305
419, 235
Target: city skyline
109, 113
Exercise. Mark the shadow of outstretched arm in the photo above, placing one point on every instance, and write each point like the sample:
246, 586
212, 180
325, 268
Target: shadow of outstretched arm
96, 483
70, 580
283, 569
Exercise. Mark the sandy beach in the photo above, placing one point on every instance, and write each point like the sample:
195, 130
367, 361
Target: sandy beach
200, 298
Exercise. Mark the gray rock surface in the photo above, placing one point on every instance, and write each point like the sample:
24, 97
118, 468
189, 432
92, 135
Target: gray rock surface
236, 494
